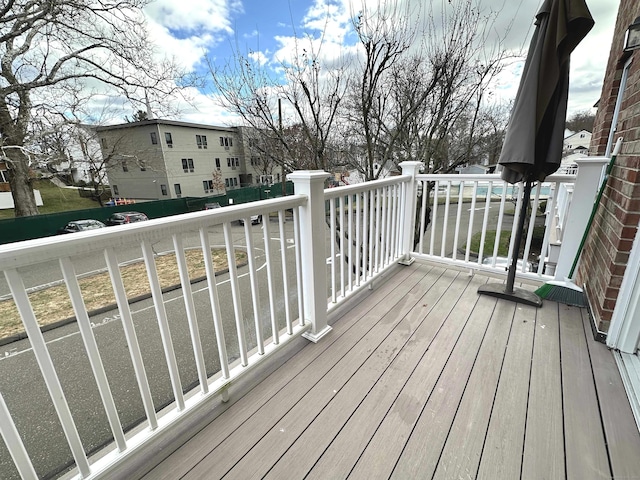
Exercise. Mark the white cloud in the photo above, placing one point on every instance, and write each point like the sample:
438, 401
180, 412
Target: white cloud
258, 57
194, 15
188, 52
187, 29
207, 110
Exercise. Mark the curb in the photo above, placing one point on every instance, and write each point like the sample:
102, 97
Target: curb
112, 306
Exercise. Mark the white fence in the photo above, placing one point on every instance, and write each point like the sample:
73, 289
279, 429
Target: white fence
244, 335
311, 252
464, 210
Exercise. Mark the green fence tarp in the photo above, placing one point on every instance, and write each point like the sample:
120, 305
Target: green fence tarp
38, 226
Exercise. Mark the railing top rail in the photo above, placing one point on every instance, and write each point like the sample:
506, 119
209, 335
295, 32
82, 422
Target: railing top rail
29, 252
486, 177
336, 192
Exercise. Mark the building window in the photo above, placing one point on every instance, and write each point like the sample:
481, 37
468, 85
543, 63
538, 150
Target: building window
237, 162
226, 182
168, 139
178, 190
278, 177
163, 189
218, 163
115, 189
235, 182
226, 142
124, 166
103, 141
187, 165
208, 186
154, 138
201, 141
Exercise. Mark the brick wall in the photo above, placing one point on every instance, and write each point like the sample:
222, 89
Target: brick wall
606, 251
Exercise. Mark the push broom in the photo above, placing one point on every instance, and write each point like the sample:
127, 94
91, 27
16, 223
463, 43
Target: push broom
566, 291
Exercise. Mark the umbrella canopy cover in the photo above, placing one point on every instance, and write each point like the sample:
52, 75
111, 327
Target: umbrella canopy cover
533, 143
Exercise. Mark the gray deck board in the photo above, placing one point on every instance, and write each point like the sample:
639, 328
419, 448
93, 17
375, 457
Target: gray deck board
267, 435
544, 436
341, 442
586, 453
621, 432
424, 378
422, 450
342, 336
504, 442
463, 449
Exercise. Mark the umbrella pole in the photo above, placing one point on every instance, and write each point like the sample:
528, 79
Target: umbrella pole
508, 291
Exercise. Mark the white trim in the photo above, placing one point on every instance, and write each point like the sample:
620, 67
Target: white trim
616, 111
629, 366
624, 330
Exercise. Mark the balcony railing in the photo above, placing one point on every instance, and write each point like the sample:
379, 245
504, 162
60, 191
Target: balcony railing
309, 255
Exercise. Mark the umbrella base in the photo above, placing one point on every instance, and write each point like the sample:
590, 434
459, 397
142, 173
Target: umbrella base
518, 295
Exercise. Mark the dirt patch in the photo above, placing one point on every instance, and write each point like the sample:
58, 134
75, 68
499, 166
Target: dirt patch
52, 304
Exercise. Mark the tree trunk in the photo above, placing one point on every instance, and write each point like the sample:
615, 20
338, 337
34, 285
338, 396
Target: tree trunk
21, 188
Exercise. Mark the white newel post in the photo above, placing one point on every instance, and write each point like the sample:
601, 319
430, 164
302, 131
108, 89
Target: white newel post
410, 169
590, 171
312, 247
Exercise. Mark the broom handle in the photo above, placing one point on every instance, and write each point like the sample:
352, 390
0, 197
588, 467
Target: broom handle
616, 149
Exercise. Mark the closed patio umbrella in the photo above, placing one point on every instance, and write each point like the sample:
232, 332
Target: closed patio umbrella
533, 143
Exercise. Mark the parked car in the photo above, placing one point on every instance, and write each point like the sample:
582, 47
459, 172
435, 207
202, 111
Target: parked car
123, 218
255, 220
81, 226
211, 205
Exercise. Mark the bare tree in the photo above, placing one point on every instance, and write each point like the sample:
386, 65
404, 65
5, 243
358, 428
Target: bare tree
312, 93
386, 33
422, 100
414, 86
582, 120
59, 53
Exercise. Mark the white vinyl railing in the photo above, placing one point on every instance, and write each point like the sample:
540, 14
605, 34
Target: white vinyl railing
244, 336
365, 233
310, 254
463, 210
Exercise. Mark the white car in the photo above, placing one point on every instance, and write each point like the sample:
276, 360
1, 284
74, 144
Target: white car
503, 262
255, 220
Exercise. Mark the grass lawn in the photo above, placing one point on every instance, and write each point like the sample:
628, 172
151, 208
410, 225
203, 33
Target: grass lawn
490, 238
56, 199
53, 304
503, 245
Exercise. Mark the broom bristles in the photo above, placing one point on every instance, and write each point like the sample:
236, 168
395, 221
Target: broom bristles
567, 293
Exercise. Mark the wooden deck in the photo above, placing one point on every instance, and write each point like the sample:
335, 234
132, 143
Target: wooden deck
425, 378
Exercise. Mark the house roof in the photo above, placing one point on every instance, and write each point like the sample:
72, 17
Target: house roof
577, 133
158, 121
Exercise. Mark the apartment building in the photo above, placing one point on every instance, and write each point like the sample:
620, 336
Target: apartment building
161, 159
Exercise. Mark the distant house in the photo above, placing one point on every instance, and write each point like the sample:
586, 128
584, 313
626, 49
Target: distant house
476, 169
350, 177
4, 179
577, 143
162, 159
6, 199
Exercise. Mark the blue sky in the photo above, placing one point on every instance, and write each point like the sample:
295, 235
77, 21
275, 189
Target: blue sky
192, 30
